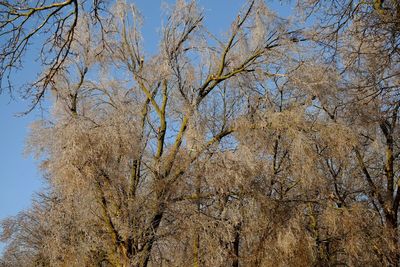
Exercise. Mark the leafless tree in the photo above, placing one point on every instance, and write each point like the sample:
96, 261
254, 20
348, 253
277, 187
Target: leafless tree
51, 26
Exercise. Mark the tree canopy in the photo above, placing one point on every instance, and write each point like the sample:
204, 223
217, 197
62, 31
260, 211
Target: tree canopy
276, 144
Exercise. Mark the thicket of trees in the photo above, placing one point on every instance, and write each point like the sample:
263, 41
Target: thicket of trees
270, 146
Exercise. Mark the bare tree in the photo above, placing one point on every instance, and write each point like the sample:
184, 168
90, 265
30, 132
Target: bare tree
51, 25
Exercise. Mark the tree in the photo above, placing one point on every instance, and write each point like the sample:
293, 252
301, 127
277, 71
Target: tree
251, 149
23, 22
362, 38
133, 180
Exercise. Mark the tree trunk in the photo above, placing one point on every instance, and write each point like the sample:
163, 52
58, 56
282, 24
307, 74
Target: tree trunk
151, 233
236, 244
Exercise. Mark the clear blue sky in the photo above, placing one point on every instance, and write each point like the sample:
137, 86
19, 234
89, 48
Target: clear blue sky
19, 177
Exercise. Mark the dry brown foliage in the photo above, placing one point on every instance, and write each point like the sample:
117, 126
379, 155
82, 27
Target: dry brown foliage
272, 146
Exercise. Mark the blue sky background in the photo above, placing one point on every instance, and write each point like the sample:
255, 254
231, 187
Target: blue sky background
19, 177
